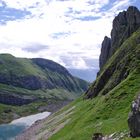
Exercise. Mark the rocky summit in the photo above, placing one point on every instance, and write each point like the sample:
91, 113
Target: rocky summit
126, 23
106, 45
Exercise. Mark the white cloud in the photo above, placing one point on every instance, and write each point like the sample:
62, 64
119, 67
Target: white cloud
49, 18
23, 4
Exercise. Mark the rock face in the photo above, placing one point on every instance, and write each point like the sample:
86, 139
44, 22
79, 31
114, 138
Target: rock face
124, 25
118, 68
15, 99
134, 118
106, 45
29, 82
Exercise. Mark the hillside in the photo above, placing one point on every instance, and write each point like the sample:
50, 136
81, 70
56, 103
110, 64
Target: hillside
106, 105
39, 81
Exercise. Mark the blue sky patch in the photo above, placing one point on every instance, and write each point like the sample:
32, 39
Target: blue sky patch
10, 14
88, 18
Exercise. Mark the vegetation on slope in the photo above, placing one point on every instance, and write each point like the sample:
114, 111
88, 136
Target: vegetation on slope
33, 85
107, 113
50, 100
37, 74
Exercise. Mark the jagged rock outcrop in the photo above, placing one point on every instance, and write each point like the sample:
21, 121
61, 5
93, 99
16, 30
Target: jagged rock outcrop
119, 66
106, 45
124, 25
134, 118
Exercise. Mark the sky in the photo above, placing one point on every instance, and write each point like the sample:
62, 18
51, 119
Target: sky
69, 32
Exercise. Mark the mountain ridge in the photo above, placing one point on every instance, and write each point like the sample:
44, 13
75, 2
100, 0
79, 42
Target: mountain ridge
34, 73
122, 63
124, 24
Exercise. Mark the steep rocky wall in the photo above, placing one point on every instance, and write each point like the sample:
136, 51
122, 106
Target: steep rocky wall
13, 99
106, 45
124, 25
121, 63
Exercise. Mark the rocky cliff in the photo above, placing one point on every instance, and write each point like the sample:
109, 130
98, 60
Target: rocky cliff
106, 45
124, 25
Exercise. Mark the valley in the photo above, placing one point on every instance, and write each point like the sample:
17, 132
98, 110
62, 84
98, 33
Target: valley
106, 107
29, 86
70, 70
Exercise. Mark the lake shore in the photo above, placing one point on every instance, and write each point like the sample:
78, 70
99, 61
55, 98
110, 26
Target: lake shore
16, 127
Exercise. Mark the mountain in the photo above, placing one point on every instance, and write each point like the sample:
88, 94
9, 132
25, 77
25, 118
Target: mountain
108, 108
24, 81
37, 73
124, 25
86, 74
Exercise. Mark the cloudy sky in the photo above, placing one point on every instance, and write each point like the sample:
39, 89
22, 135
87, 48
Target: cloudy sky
67, 31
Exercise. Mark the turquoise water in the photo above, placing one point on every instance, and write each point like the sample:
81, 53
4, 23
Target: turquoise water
9, 131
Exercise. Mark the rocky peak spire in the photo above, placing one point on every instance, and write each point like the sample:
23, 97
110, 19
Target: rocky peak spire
106, 44
124, 25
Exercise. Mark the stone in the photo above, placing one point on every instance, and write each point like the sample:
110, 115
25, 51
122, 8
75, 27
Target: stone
100, 136
106, 45
134, 118
97, 136
124, 25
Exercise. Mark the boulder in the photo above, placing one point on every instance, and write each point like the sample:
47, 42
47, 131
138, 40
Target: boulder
134, 118
100, 136
97, 136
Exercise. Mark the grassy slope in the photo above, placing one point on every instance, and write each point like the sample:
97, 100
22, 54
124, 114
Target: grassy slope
106, 114
59, 93
109, 113
18, 66
53, 95
26, 67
